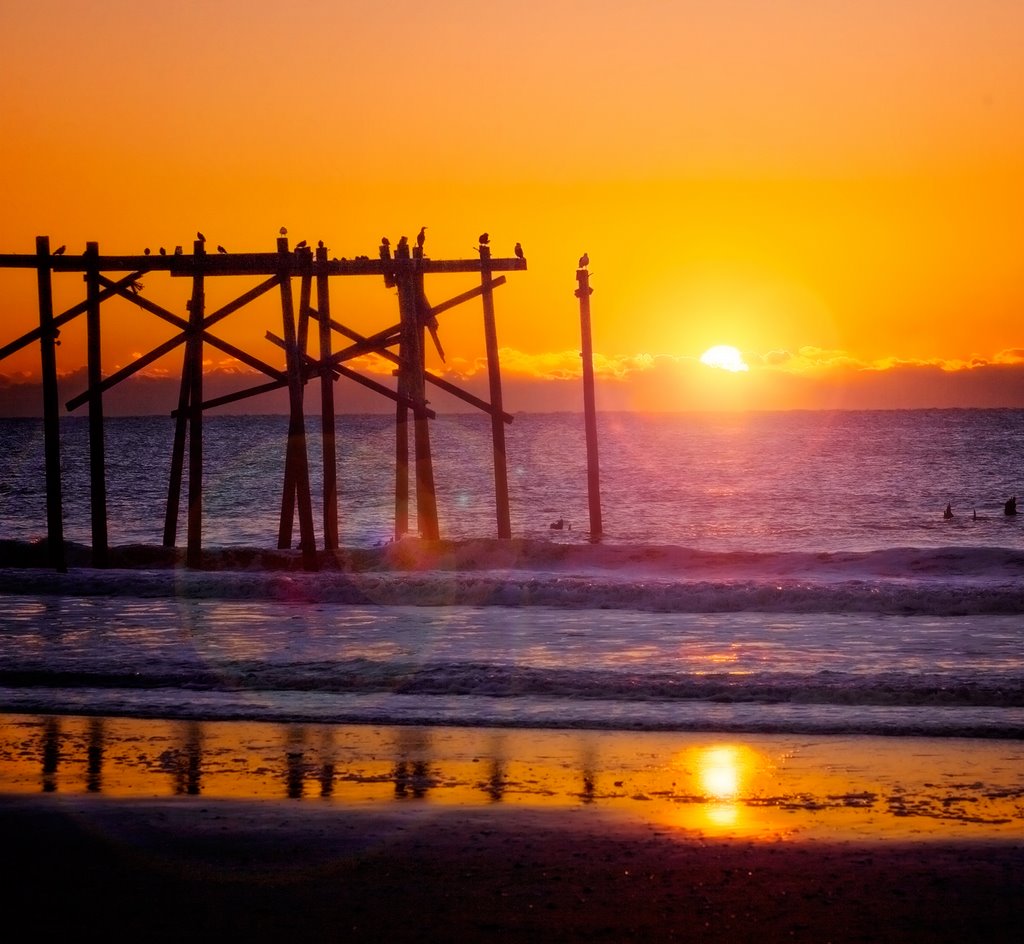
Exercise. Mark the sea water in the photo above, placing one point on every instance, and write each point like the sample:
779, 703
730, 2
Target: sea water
760, 572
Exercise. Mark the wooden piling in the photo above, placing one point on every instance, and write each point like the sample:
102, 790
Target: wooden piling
97, 448
51, 409
583, 293
177, 455
328, 424
426, 496
194, 370
501, 503
296, 456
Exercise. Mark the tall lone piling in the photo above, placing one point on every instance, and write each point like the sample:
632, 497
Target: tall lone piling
583, 293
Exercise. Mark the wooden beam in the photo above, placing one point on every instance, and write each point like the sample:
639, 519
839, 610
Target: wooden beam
466, 296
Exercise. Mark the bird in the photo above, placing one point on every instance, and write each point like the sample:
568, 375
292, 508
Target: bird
301, 244
177, 250
200, 237
385, 242
484, 239
221, 249
163, 252
519, 251
584, 261
558, 525
422, 237
403, 243
145, 251
320, 244
283, 230
59, 251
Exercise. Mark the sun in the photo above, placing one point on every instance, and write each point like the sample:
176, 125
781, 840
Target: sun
724, 356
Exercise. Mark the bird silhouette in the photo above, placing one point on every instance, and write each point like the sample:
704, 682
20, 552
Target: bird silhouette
422, 237
403, 243
59, 251
201, 237
484, 239
177, 250
145, 251
163, 252
519, 251
283, 231
320, 244
384, 241
301, 244
584, 261
221, 249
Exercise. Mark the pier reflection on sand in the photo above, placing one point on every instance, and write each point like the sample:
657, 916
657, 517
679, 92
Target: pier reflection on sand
759, 786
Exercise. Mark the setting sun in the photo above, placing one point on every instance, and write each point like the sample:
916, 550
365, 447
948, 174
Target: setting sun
724, 356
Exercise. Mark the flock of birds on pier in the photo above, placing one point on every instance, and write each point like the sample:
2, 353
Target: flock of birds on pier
403, 245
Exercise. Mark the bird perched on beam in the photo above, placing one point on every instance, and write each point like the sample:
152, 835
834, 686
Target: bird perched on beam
385, 242
403, 243
422, 237
221, 249
484, 239
60, 250
201, 237
145, 251
283, 230
519, 251
301, 244
163, 252
584, 261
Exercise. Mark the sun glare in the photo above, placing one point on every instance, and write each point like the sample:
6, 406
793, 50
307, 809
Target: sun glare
724, 356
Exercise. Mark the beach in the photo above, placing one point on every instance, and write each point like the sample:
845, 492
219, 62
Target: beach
148, 828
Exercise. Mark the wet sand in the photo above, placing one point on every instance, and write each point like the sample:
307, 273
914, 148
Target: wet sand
201, 830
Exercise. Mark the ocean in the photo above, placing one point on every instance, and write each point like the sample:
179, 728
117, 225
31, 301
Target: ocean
770, 573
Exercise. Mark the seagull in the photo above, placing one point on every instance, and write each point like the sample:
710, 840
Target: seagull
384, 241
301, 244
403, 243
163, 252
584, 261
146, 251
320, 244
484, 239
222, 249
519, 251
422, 238
59, 251
283, 231
201, 237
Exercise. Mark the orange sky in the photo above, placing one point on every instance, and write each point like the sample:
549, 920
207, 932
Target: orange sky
835, 188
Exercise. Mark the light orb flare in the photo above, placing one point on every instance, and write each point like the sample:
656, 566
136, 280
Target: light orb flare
724, 356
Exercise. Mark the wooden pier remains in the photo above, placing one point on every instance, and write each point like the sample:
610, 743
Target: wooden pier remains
402, 343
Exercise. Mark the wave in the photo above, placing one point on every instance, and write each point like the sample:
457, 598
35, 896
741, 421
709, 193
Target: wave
948, 581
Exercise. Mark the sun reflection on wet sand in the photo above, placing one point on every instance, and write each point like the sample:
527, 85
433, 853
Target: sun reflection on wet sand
763, 787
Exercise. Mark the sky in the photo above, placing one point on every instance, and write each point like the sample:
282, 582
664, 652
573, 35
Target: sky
835, 189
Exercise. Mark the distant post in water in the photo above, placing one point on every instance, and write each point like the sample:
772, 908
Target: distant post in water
583, 293
51, 409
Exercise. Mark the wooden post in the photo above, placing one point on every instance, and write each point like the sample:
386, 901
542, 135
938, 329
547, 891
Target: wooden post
296, 455
194, 369
51, 409
501, 502
401, 416
583, 293
178, 454
426, 497
97, 450
327, 418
